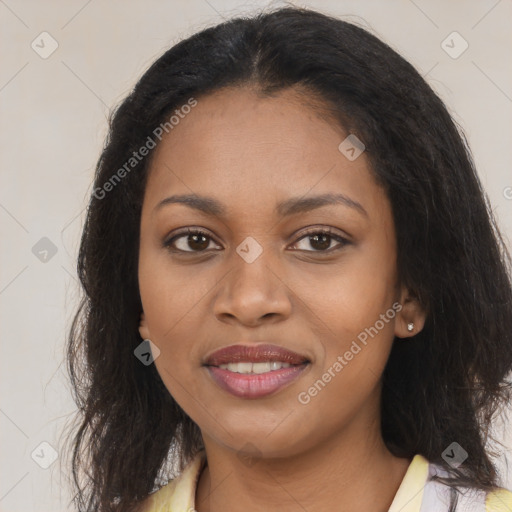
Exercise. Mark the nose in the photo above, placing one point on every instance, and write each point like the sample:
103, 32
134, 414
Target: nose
252, 292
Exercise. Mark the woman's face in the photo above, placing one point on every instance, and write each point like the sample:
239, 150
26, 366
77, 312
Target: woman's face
270, 178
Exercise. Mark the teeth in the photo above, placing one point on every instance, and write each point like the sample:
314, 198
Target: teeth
240, 367
260, 367
255, 368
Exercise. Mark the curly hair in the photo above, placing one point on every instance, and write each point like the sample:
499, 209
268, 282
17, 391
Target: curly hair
446, 384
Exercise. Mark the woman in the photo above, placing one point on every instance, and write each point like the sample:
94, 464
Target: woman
296, 296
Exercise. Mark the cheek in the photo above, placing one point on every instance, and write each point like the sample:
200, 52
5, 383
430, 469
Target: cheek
348, 297
353, 309
174, 298
356, 349
171, 294
171, 306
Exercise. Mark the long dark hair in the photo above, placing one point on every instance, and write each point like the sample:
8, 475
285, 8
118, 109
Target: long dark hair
445, 384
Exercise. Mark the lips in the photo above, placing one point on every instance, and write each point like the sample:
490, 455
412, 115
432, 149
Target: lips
254, 354
255, 371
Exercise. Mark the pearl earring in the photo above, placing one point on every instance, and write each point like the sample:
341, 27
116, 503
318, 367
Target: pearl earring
410, 327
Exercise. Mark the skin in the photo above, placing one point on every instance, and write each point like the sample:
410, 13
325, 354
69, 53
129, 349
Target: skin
250, 153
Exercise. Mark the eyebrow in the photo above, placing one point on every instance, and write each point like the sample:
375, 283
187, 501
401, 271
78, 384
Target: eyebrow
292, 206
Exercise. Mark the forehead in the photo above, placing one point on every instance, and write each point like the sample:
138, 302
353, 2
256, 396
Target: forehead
251, 150
245, 118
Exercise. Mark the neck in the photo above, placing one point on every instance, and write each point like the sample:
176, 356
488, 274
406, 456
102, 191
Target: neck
350, 472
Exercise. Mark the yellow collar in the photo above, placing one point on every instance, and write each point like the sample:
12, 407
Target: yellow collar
179, 494
409, 496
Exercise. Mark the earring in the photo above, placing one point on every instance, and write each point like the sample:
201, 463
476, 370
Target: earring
410, 327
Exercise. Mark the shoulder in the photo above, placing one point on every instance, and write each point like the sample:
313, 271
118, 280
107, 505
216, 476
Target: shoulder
159, 500
179, 493
499, 500
439, 496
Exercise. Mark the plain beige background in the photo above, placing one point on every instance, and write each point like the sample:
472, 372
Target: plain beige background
53, 113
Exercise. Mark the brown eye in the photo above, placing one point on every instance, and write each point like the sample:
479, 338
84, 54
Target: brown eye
189, 241
321, 240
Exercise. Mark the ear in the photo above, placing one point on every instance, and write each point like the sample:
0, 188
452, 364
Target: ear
412, 312
143, 328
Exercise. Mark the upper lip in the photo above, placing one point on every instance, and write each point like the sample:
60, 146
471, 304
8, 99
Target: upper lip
253, 354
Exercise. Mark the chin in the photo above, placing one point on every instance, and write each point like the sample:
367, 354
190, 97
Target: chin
267, 443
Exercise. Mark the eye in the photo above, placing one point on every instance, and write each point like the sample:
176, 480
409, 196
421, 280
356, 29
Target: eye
197, 241
320, 240
189, 240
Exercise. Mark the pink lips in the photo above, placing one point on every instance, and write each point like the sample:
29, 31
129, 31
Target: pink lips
250, 385
253, 354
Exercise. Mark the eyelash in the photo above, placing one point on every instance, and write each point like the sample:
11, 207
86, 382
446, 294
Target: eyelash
313, 231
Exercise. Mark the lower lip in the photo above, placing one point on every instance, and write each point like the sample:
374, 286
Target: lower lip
246, 385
